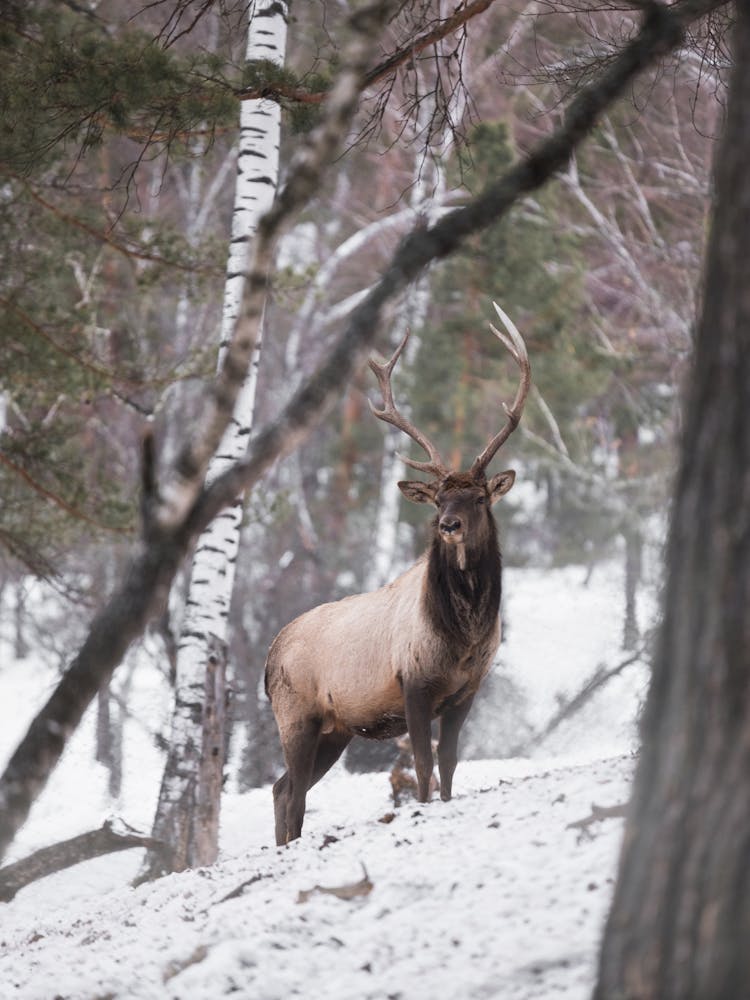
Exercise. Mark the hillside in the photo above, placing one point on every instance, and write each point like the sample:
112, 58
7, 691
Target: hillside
490, 895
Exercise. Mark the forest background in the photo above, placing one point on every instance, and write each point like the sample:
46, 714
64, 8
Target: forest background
119, 151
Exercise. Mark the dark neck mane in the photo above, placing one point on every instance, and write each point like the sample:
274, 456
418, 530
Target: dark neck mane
463, 604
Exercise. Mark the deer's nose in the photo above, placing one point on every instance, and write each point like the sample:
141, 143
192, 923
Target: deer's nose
449, 524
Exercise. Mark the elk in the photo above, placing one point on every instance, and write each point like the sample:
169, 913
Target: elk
388, 662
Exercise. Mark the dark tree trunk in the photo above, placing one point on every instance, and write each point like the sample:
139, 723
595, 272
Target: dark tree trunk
633, 563
246, 723
108, 748
205, 846
20, 645
680, 920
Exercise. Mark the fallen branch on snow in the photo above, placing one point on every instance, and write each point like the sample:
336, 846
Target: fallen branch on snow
568, 708
113, 835
598, 813
362, 888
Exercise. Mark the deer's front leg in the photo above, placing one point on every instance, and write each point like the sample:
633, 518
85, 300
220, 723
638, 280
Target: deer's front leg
418, 705
450, 727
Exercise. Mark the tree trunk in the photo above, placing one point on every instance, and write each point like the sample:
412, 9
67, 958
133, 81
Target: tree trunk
631, 531
20, 645
109, 741
211, 767
680, 920
633, 565
187, 814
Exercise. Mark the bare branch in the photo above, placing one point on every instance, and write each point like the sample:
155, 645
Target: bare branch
598, 814
601, 677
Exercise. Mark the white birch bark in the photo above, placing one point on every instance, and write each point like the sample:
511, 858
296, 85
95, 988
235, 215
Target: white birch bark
212, 575
257, 177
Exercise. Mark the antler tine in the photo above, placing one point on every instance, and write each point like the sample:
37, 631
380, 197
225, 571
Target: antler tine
515, 345
390, 414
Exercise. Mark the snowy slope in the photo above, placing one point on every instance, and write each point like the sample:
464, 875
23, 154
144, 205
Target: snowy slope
490, 895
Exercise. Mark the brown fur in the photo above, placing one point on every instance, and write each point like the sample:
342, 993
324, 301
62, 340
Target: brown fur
349, 667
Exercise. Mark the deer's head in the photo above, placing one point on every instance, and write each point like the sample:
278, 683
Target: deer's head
463, 499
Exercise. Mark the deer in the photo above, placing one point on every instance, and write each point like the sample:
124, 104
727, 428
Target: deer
388, 662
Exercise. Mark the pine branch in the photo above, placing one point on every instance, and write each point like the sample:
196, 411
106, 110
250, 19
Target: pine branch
601, 677
105, 238
41, 332
54, 498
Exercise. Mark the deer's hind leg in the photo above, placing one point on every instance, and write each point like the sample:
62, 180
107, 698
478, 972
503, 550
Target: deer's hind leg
330, 748
300, 745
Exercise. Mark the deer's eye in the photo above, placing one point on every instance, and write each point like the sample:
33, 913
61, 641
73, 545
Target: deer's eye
481, 499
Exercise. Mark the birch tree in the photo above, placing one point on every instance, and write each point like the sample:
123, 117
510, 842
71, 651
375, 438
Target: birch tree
187, 815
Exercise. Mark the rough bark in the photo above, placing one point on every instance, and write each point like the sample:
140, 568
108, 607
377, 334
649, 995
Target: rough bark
176, 516
680, 921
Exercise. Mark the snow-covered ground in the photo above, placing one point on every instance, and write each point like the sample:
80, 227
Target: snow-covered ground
490, 895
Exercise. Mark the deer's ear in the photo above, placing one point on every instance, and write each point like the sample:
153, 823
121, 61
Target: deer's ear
418, 492
500, 484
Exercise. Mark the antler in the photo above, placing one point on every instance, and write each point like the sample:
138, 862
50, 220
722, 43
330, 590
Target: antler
514, 343
436, 466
